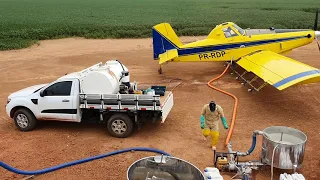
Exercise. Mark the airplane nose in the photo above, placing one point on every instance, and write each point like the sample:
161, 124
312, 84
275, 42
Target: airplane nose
317, 33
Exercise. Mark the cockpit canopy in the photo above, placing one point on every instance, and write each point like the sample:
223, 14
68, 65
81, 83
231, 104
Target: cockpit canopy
226, 30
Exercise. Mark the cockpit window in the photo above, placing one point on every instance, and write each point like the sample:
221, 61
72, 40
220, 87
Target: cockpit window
241, 31
228, 32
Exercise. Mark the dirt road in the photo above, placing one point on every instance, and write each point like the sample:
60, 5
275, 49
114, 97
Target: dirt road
52, 143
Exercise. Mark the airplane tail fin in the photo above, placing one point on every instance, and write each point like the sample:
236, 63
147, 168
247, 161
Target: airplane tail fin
165, 42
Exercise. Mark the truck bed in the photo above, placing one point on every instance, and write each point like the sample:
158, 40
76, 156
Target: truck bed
125, 101
165, 97
166, 102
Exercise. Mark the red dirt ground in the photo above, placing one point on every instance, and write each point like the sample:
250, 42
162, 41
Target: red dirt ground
52, 143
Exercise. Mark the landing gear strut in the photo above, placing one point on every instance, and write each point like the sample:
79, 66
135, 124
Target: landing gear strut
160, 70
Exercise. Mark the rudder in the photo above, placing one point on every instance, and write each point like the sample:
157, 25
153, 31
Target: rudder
164, 39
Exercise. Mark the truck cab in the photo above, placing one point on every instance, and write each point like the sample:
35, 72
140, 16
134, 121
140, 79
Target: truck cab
84, 96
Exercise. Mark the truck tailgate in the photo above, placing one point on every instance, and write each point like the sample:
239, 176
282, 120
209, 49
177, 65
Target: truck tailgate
166, 102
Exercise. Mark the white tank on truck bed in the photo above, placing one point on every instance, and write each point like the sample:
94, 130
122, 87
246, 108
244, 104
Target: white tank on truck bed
104, 78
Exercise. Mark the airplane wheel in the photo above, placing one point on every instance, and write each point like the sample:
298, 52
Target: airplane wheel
249, 90
243, 83
237, 78
160, 71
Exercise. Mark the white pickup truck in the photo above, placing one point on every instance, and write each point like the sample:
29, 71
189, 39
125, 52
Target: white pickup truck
101, 93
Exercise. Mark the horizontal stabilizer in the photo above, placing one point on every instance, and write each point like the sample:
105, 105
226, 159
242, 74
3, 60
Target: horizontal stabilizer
279, 71
168, 55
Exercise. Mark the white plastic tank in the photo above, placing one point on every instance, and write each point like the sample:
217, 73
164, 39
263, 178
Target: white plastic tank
212, 173
105, 79
117, 68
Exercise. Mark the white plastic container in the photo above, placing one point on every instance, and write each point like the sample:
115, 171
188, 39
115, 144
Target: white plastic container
212, 173
151, 92
295, 176
104, 79
211, 169
213, 176
99, 82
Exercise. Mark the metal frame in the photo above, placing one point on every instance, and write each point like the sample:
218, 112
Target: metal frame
134, 99
246, 81
224, 154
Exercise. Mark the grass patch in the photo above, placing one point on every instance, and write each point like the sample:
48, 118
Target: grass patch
24, 22
309, 10
224, 7
16, 43
270, 9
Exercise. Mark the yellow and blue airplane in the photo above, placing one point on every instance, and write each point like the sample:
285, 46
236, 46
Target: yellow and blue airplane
258, 54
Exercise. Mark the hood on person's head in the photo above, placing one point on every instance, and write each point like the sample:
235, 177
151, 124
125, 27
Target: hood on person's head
212, 106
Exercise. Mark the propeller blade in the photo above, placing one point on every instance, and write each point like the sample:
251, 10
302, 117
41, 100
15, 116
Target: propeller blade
316, 21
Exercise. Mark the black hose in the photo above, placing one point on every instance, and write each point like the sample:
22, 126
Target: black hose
122, 69
121, 65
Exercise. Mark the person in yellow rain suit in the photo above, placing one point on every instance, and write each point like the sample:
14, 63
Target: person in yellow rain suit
211, 114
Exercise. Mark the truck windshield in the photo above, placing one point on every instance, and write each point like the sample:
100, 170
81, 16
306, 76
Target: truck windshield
240, 30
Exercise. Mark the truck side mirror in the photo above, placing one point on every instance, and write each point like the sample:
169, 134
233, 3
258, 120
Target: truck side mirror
42, 93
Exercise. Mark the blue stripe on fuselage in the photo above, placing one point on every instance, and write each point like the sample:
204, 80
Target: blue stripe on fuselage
296, 76
190, 51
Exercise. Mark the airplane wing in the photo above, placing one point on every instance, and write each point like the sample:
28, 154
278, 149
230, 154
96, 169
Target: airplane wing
168, 55
277, 70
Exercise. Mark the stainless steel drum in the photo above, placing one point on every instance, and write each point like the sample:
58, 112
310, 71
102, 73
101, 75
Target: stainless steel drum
288, 145
163, 168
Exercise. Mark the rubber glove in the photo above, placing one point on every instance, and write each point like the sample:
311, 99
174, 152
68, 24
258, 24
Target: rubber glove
224, 122
202, 122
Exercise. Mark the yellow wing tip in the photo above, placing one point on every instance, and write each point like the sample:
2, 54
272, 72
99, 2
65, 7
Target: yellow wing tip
306, 77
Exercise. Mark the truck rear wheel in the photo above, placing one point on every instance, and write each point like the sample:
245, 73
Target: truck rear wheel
120, 125
24, 120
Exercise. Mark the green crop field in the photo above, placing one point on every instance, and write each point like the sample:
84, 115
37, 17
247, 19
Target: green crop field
24, 22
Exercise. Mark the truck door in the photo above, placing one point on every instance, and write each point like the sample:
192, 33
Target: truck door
57, 101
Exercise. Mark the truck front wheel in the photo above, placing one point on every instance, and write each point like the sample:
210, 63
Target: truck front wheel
120, 125
24, 120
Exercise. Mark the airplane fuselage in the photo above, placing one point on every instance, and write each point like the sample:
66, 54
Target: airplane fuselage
236, 47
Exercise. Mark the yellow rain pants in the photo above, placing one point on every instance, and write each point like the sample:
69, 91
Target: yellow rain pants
214, 135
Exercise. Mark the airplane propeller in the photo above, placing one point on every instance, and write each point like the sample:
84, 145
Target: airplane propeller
317, 33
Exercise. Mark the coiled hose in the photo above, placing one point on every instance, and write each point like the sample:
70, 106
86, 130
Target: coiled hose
54, 168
